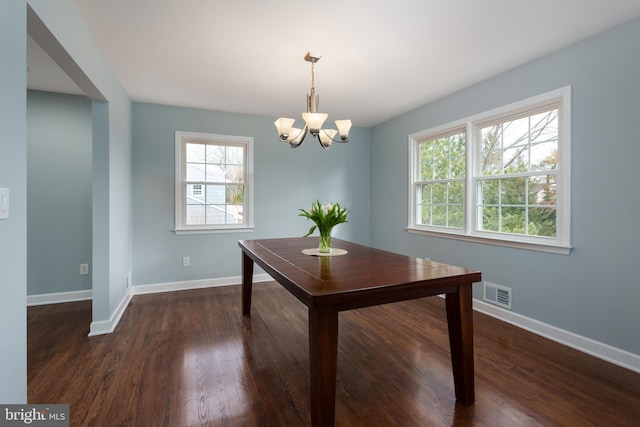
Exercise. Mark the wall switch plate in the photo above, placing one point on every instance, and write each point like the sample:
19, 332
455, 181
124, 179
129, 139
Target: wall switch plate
186, 261
4, 203
84, 269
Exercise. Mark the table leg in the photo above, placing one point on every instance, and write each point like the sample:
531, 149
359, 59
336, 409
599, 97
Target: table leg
323, 357
247, 283
460, 320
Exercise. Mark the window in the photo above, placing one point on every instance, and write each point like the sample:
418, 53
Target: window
213, 182
500, 177
440, 182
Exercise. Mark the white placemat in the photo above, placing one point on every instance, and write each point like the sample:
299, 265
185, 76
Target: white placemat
334, 252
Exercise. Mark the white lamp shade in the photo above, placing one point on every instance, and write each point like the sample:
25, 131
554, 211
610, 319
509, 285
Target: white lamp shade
343, 128
314, 121
283, 125
327, 135
295, 136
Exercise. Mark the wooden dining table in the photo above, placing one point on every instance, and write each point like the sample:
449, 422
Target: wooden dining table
361, 277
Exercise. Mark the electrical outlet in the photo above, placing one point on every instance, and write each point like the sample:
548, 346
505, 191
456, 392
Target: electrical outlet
84, 269
186, 261
128, 281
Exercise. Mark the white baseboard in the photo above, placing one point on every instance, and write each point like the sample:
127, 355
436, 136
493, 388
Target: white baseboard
597, 349
108, 326
59, 297
195, 284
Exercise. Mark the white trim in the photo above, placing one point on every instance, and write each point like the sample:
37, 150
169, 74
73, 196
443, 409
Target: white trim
195, 284
108, 326
59, 297
594, 348
215, 231
449, 234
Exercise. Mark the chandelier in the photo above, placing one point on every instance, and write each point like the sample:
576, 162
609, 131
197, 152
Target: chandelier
312, 119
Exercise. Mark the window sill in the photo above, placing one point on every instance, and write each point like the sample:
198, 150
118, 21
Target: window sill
213, 230
540, 247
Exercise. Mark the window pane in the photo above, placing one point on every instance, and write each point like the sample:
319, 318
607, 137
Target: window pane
235, 155
456, 193
425, 194
440, 169
439, 215
515, 160
215, 194
425, 153
215, 154
194, 192
491, 150
195, 172
234, 194
542, 190
442, 158
195, 153
216, 214
439, 193
515, 133
513, 220
490, 218
426, 214
491, 162
514, 191
544, 126
457, 167
490, 192
544, 156
195, 215
457, 145
234, 214
234, 174
542, 221
215, 173
456, 216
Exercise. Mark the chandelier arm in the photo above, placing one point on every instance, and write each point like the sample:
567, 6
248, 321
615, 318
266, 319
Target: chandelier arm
333, 139
303, 132
322, 144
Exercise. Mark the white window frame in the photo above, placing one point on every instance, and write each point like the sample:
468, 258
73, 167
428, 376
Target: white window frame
561, 243
181, 139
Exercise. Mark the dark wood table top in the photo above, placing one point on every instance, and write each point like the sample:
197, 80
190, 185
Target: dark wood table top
363, 277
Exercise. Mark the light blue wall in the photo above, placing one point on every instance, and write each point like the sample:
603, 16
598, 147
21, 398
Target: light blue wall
595, 291
79, 54
285, 180
59, 24
58, 192
13, 175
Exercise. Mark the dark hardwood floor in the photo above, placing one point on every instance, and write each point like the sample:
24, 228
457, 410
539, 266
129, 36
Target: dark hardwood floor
191, 359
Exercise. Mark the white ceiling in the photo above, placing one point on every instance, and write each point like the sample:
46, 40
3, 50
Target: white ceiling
380, 58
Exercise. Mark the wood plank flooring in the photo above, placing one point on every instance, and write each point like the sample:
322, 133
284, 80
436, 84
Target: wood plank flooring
191, 359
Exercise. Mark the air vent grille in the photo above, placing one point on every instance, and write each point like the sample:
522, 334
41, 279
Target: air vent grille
498, 295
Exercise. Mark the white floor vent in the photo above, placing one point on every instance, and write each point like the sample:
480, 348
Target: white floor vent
498, 295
